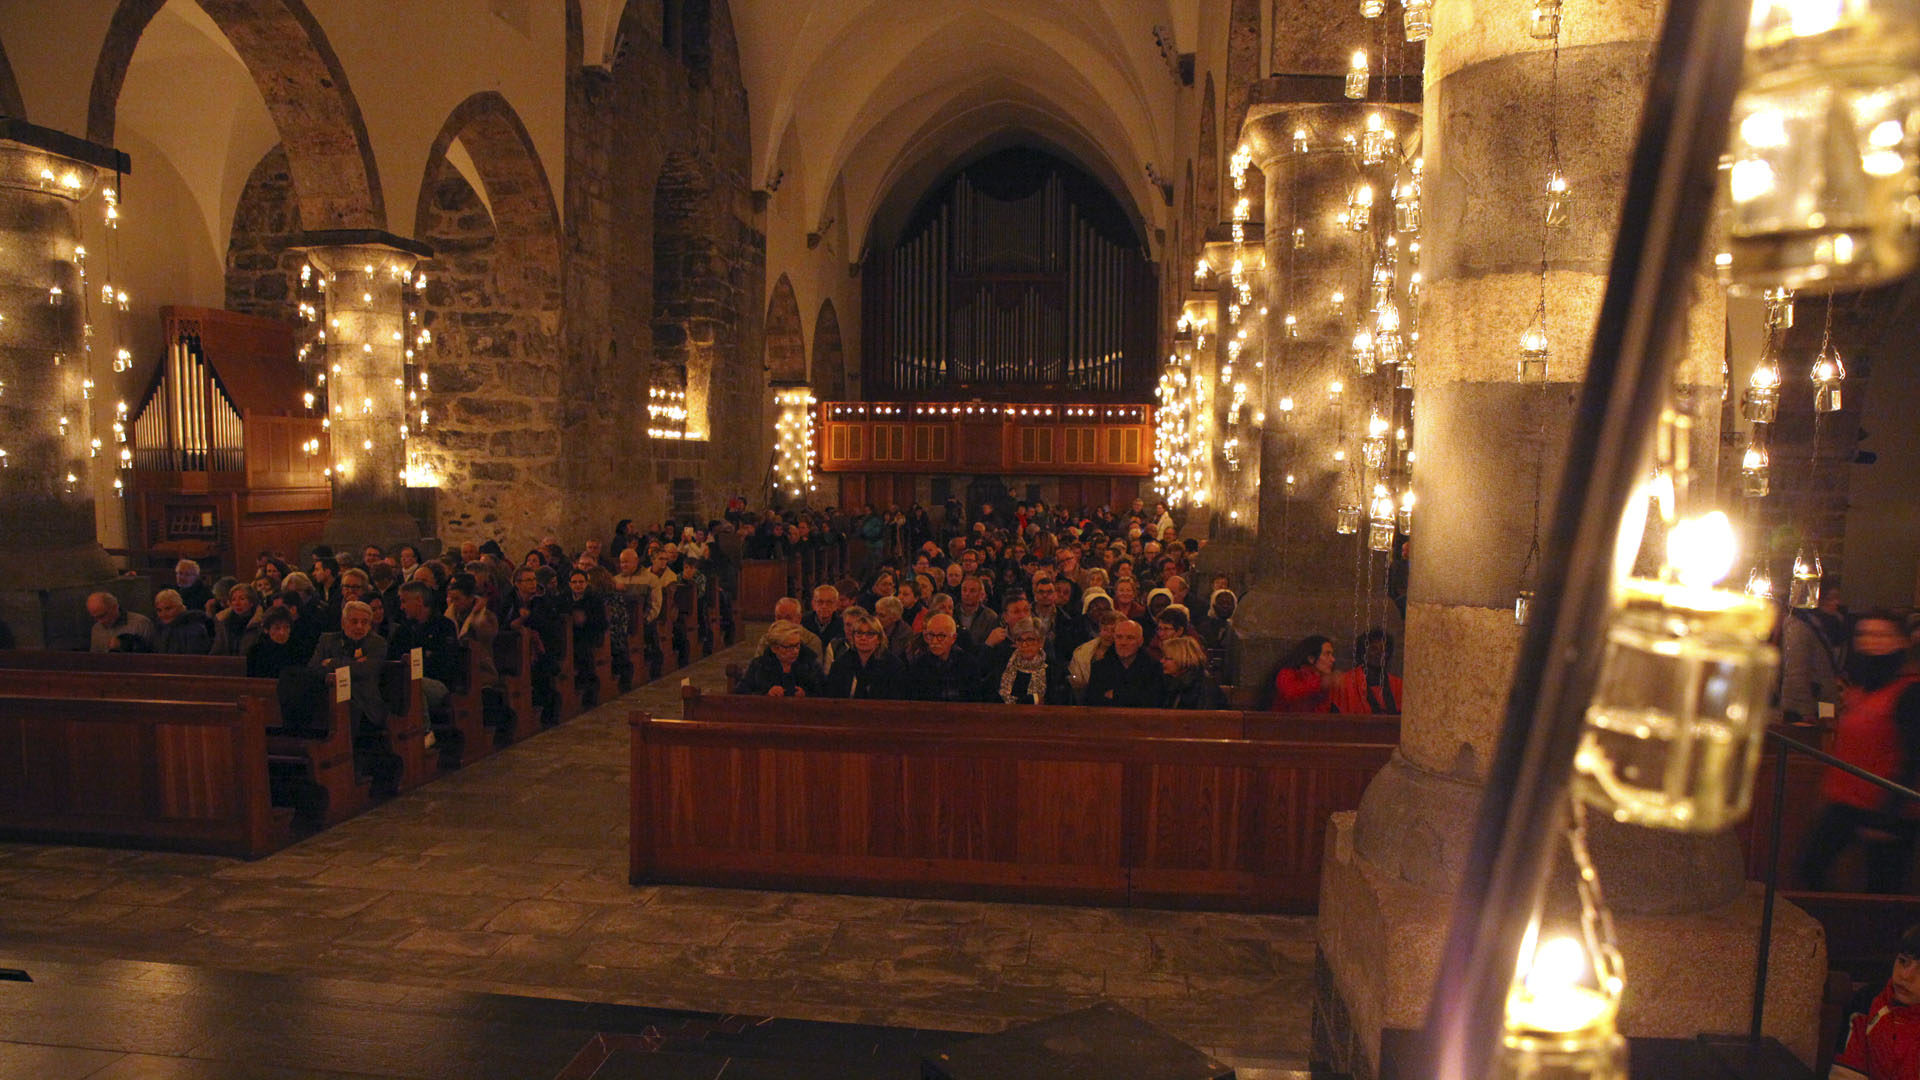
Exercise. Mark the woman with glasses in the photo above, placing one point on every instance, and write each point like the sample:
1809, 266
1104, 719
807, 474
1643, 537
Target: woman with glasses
786, 669
865, 668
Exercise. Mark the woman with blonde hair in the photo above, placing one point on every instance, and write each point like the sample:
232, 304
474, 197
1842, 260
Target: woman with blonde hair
1188, 686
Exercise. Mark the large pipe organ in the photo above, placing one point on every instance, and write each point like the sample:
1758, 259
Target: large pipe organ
1021, 275
226, 460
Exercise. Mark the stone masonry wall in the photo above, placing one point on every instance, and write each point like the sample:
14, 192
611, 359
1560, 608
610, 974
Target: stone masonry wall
260, 270
494, 366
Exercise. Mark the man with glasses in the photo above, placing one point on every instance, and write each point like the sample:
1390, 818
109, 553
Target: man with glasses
943, 673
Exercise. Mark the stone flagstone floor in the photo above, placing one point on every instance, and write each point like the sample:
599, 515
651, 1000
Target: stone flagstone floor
510, 876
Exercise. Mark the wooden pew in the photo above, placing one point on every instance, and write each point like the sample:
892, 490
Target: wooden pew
603, 669
405, 734
323, 760
663, 631
513, 658
1112, 806
469, 712
762, 583
176, 775
564, 685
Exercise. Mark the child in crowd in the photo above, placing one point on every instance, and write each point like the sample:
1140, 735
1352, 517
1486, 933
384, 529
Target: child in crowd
1883, 1039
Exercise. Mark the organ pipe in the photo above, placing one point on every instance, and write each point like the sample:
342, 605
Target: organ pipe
188, 422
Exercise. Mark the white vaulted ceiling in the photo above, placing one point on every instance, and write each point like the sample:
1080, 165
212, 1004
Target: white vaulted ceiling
887, 94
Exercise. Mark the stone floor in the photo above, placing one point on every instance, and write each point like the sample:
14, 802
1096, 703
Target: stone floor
510, 876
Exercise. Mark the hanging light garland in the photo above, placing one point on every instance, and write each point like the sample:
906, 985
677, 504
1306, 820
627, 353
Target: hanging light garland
793, 442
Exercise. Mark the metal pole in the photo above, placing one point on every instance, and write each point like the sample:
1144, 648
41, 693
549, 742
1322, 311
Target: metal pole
1694, 74
1765, 949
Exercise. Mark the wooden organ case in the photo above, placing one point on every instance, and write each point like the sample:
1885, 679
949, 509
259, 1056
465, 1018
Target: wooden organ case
226, 462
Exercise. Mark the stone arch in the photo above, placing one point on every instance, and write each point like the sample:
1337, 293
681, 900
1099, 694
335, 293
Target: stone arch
1243, 65
829, 354
1207, 199
786, 341
266, 224
690, 286
330, 158
11, 103
493, 303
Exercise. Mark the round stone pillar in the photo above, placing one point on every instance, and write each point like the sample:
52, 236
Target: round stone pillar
1491, 441
369, 421
47, 537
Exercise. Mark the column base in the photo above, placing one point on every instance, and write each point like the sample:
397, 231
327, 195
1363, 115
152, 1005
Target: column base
1380, 939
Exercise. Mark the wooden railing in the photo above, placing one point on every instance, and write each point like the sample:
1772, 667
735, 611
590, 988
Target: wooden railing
1220, 810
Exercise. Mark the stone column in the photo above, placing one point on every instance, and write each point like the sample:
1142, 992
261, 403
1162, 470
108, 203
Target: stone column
1487, 437
1308, 578
368, 417
47, 536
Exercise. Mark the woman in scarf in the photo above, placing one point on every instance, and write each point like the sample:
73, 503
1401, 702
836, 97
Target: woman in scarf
1031, 677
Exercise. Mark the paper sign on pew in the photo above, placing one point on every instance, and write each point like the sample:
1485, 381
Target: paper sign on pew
342, 683
416, 657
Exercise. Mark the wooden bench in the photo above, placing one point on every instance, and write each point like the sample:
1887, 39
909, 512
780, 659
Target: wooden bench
147, 772
322, 760
685, 627
1147, 807
513, 659
467, 706
762, 583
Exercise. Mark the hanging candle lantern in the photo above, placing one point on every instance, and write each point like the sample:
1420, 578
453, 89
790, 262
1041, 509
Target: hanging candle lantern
1417, 18
1522, 606
1300, 140
1371, 9
1403, 515
1346, 520
1364, 357
1534, 350
1375, 140
1779, 309
1760, 402
1673, 733
1406, 203
1755, 479
1826, 145
1299, 238
1544, 23
1357, 76
1334, 391
1760, 583
1382, 283
1406, 371
1828, 375
1804, 590
1373, 448
1386, 333
1360, 208
1562, 1007
1381, 524
1557, 198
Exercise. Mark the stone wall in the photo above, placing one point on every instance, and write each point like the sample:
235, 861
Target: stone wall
495, 373
261, 272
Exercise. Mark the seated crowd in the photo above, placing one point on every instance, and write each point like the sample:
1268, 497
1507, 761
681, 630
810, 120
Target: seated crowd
1031, 606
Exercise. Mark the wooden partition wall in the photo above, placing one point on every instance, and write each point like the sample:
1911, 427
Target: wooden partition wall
1121, 807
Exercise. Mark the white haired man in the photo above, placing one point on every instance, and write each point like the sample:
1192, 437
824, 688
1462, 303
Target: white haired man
115, 630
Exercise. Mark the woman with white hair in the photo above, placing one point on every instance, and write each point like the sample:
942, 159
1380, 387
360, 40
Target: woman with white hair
1030, 677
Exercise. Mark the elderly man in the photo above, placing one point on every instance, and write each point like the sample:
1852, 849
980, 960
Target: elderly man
358, 649
1126, 676
824, 620
179, 630
194, 593
787, 609
656, 578
115, 630
943, 673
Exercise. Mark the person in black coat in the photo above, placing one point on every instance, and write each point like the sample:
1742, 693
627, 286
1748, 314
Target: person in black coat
866, 670
943, 672
178, 629
275, 650
1183, 665
1126, 677
786, 668
531, 611
587, 612
423, 627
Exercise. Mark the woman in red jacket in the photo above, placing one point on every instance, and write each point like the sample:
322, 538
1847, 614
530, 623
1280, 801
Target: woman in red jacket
1305, 682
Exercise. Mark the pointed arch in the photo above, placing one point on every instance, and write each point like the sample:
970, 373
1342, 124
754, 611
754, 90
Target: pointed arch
305, 89
11, 103
517, 189
829, 355
786, 341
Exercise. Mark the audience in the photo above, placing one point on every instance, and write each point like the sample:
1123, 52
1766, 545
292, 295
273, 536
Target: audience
786, 669
867, 668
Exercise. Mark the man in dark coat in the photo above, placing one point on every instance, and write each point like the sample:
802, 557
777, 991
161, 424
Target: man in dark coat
421, 627
1127, 676
943, 673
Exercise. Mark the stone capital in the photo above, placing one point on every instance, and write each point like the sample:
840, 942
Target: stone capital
1270, 126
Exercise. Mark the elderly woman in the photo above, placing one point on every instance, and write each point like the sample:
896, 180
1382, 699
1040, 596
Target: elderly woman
238, 624
893, 625
865, 669
786, 668
1029, 677
1188, 686
177, 628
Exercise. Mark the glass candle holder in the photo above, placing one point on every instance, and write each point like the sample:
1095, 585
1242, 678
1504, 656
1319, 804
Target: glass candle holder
1829, 375
1678, 715
1522, 606
1534, 353
1543, 24
1406, 371
1779, 304
1360, 208
1755, 475
1826, 145
1356, 87
1804, 590
1346, 519
1387, 347
1557, 198
1364, 357
1760, 402
1371, 9
1417, 19
1375, 141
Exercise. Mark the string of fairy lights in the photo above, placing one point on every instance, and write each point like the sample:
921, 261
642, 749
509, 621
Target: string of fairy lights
351, 384
102, 334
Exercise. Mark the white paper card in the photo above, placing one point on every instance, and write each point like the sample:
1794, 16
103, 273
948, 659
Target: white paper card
342, 683
416, 657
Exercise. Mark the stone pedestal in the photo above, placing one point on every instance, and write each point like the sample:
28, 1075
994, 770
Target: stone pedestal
369, 419
1492, 440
